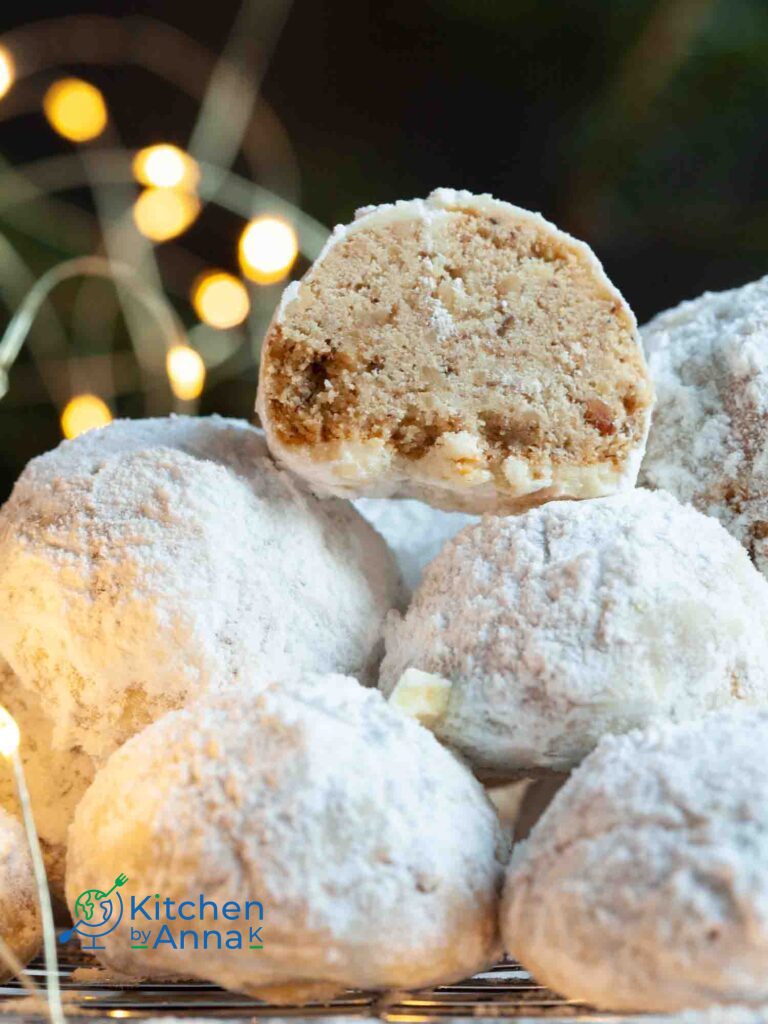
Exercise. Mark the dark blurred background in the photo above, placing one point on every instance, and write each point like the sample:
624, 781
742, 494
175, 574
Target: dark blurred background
638, 125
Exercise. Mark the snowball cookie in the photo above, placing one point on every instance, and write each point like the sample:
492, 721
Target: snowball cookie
56, 779
19, 915
644, 886
532, 636
714, 1015
460, 350
375, 854
415, 532
143, 562
709, 440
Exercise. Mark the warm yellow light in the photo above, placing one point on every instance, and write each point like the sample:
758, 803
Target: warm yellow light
7, 71
268, 249
9, 734
220, 300
166, 166
84, 412
186, 372
75, 109
163, 213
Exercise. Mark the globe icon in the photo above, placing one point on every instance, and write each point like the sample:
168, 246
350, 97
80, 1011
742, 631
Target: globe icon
93, 908
97, 913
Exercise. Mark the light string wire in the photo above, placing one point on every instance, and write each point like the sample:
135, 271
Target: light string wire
53, 988
154, 302
240, 67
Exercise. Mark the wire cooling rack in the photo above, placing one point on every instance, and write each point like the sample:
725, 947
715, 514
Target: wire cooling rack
505, 992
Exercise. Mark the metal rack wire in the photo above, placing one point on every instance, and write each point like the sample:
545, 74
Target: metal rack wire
506, 991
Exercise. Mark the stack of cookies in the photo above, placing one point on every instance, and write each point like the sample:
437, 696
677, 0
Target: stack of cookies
199, 623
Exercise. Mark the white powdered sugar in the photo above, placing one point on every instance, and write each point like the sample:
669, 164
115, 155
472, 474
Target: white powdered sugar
718, 1015
415, 532
709, 437
142, 563
375, 854
19, 916
56, 779
714, 1015
644, 885
577, 619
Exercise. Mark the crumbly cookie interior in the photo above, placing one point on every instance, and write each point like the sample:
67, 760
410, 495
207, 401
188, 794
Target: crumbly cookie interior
495, 325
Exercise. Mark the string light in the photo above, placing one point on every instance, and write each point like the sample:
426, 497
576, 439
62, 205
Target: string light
220, 300
7, 71
163, 213
75, 109
84, 412
166, 166
9, 734
9, 748
186, 372
268, 249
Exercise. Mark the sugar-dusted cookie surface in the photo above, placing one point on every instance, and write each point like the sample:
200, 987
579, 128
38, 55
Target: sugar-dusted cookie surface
644, 887
375, 855
19, 914
532, 636
56, 779
414, 531
460, 350
145, 562
708, 443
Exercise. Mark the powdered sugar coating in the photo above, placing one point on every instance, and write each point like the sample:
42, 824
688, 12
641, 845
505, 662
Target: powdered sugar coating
644, 884
718, 1015
56, 779
415, 532
375, 854
19, 916
714, 1015
709, 438
581, 618
142, 563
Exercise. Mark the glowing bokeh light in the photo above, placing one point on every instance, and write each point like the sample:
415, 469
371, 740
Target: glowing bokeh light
75, 109
220, 300
268, 249
186, 372
163, 213
166, 166
7, 71
84, 412
9, 734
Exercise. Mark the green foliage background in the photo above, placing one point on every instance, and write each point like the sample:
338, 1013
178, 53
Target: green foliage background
639, 125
